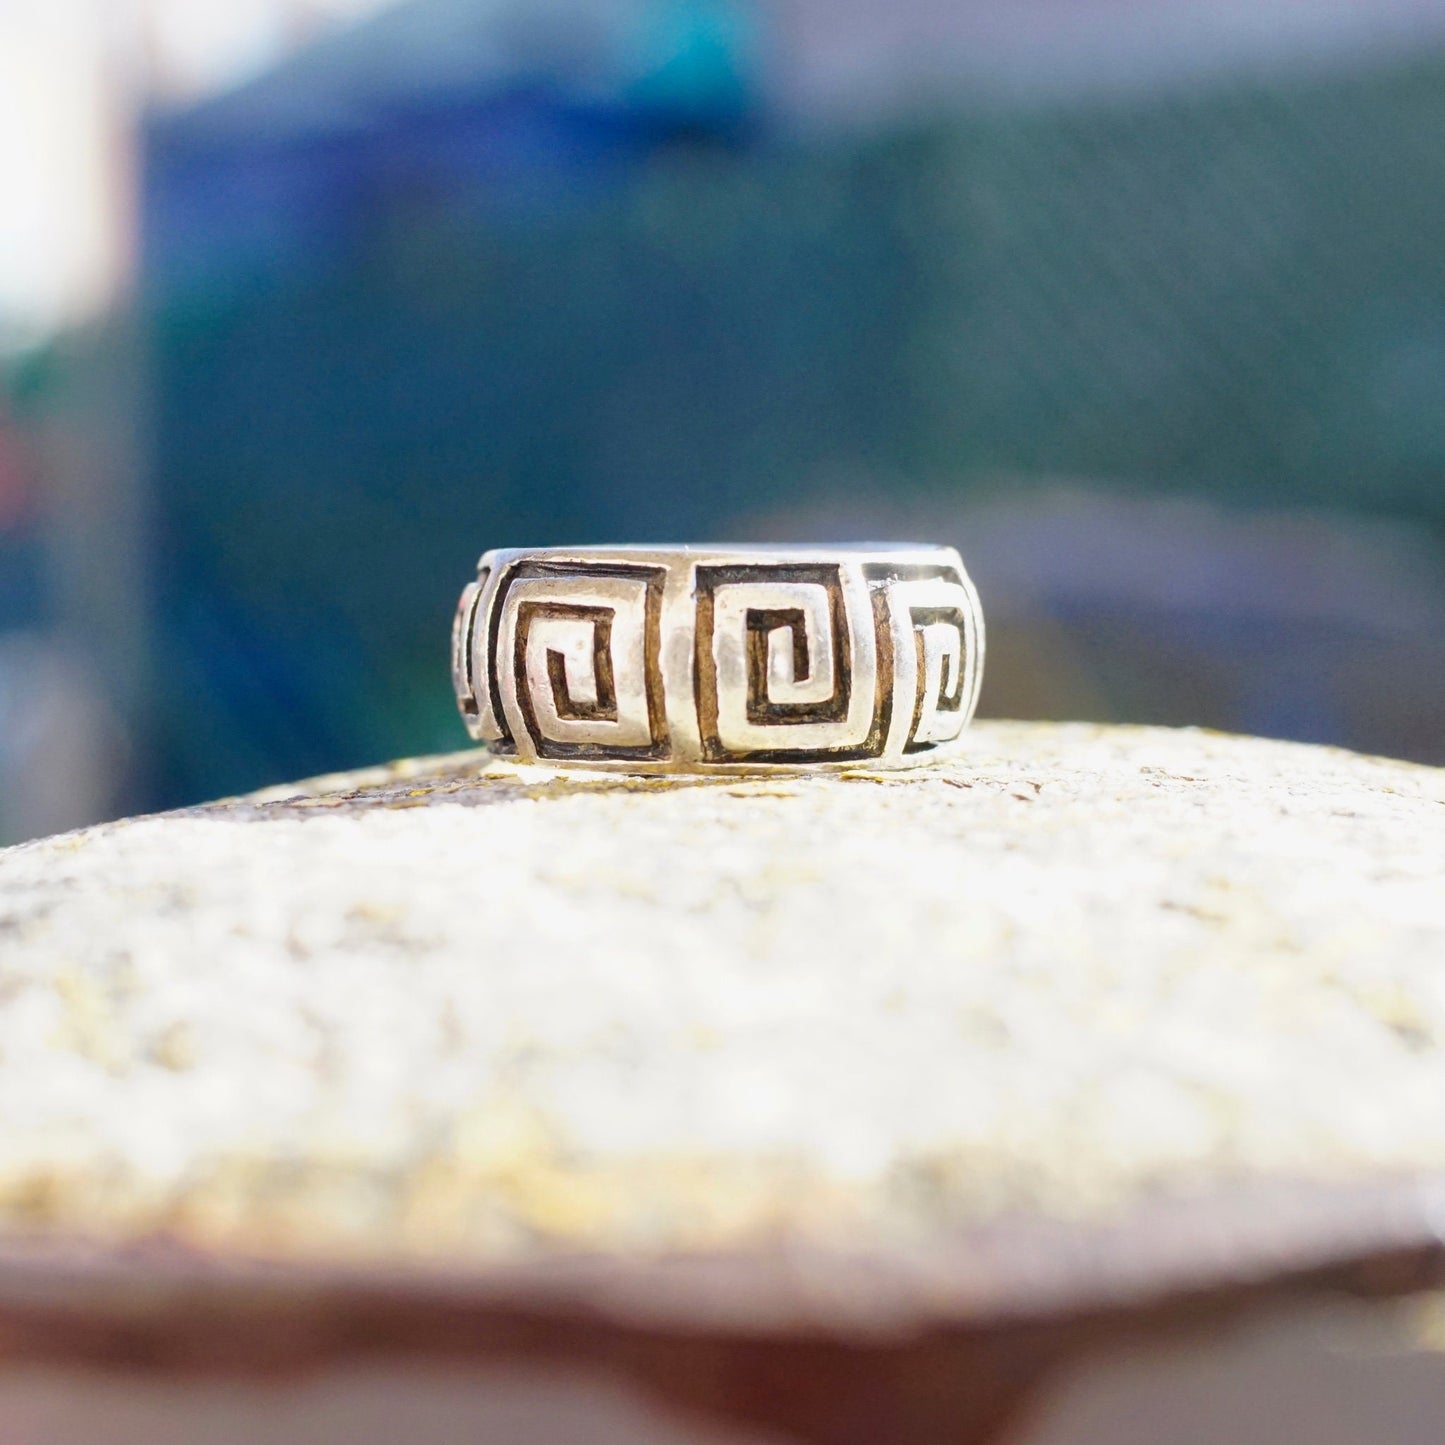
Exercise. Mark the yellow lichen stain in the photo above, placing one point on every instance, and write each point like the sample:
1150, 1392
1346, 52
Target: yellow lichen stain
369, 911
1400, 1012
175, 1048
35, 1198
87, 1027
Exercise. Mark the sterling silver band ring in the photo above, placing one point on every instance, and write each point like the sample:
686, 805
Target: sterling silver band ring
718, 659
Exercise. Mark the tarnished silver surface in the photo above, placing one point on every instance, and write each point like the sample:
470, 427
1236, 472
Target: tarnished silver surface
718, 658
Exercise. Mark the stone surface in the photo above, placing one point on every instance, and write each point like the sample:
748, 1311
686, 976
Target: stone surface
1082, 1030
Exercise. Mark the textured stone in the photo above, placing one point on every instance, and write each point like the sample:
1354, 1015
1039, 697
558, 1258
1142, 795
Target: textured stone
1079, 1020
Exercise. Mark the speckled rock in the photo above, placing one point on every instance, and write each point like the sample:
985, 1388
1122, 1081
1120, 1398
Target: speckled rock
988, 1035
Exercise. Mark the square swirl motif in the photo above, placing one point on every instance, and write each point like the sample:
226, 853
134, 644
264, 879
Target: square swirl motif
712, 659
780, 653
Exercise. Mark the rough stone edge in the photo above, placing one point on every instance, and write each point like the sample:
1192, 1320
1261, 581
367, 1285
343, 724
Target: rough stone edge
811, 1343
418, 781
1382, 1239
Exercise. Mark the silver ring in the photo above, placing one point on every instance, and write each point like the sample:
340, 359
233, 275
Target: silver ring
718, 659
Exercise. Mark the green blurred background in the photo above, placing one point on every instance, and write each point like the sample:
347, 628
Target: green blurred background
1145, 312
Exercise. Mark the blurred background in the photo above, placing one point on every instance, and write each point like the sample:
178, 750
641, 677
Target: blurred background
304, 303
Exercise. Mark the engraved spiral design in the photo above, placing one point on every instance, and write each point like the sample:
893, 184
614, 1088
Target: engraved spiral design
714, 659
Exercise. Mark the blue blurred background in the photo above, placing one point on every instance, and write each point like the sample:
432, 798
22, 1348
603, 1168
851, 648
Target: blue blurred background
304, 303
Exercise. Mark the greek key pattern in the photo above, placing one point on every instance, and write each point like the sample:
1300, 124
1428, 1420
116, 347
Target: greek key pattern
703, 659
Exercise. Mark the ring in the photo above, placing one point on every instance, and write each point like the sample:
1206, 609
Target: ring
718, 659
